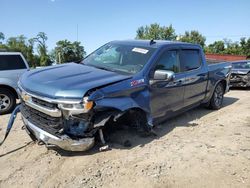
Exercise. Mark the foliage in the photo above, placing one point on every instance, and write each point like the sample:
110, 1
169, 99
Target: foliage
66, 51
2, 37
225, 46
41, 39
20, 44
193, 37
228, 47
217, 47
245, 44
156, 32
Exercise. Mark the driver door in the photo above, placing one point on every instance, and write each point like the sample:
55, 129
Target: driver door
167, 96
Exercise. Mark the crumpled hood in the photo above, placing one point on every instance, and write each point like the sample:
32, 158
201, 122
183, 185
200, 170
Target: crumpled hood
67, 81
240, 71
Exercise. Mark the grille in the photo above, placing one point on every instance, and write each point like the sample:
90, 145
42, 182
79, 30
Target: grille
41, 120
44, 103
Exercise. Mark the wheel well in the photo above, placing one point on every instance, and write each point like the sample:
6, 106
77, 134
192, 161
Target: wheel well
10, 89
131, 112
224, 83
137, 109
128, 115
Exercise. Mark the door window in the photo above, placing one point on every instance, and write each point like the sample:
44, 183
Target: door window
168, 61
190, 60
11, 62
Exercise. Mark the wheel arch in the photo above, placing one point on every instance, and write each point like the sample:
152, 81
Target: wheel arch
224, 83
11, 89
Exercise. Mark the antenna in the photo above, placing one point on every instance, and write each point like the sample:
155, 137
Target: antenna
77, 32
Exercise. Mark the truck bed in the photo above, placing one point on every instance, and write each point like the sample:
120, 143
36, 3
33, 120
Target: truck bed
219, 66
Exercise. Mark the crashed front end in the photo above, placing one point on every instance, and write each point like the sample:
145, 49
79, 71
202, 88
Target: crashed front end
240, 80
70, 125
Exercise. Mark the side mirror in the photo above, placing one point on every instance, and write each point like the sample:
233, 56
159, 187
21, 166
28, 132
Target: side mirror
164, 75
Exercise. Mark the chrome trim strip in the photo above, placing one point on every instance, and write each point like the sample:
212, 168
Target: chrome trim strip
63, 142
51, 112
56, 101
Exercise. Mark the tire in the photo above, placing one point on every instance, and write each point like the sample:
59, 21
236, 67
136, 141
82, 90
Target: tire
217, 98
7, 101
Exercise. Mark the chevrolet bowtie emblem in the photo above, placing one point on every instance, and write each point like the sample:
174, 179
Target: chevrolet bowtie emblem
25, 97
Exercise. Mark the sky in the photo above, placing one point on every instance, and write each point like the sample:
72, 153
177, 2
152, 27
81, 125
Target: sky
101, 21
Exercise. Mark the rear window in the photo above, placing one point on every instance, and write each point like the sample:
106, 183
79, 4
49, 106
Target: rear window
11, 62
190, 59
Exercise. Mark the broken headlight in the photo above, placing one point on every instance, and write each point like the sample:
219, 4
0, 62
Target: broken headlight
77, 108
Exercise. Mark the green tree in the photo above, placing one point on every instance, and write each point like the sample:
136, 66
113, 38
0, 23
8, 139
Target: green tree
66, 51
156, 32
245, 45
3, 47
217, 47
2, 37
17, 43
193, 37
234, 48
21, 44
41, 39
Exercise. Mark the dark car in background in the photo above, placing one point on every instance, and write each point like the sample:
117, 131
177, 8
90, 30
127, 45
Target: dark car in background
240, 76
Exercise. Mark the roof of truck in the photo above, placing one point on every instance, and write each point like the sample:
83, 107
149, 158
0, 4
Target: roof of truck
148, 43
10, 53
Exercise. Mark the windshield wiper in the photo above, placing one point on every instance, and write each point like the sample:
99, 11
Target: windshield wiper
105, 68
109, 69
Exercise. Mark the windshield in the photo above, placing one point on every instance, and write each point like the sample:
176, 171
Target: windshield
119, 58
241, 65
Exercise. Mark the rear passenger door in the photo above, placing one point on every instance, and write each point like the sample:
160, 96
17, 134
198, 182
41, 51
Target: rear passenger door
11, 67
196, 76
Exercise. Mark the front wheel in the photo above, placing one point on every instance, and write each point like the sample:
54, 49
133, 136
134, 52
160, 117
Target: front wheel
217, 98
7, 101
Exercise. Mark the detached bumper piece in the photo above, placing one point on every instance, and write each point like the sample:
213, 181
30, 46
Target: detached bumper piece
64, 142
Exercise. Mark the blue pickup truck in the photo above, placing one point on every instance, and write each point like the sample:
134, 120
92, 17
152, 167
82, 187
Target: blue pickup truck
143, 82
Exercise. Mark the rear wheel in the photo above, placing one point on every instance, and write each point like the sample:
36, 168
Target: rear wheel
217, 98
7, 101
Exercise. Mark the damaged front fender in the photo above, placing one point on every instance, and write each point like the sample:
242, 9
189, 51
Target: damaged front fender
121, 97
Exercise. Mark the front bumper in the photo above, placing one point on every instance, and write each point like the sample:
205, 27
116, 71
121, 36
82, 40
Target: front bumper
64, 142
240, 84
238, 80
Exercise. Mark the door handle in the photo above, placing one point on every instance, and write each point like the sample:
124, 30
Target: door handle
177, 82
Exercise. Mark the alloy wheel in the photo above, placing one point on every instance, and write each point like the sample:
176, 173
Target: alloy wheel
218, 96
4, 102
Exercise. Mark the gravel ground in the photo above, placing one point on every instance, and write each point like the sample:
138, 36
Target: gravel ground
200, 148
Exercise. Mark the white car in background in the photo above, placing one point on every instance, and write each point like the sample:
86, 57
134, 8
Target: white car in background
12, 65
